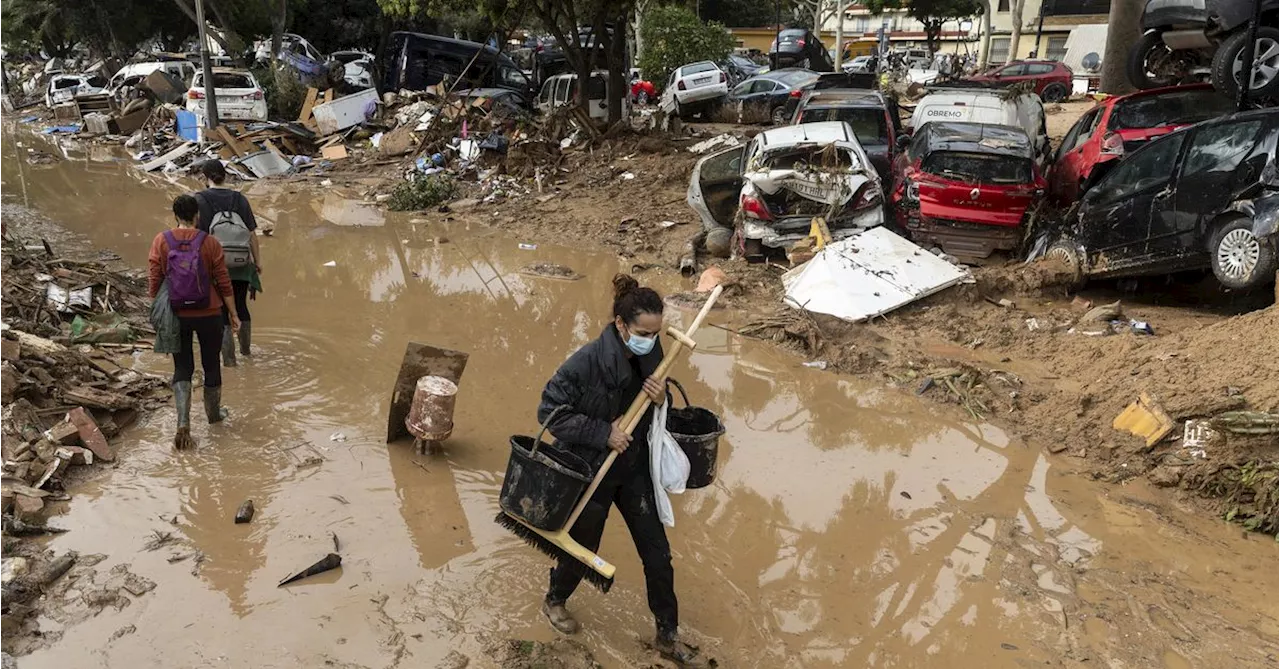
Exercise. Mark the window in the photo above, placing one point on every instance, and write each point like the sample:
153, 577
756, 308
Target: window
512, 78
868, 124
697, 68
1014, 71
1220, 148
562, 90
978, 167
1038, 68
1057, 48
722, 166
547, 90
1079, 133
1149, 167
999, 49
1172, 108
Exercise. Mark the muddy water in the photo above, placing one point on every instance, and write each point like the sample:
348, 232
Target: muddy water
850, 525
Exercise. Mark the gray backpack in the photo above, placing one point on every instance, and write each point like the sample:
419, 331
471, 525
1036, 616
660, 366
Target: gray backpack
230, 231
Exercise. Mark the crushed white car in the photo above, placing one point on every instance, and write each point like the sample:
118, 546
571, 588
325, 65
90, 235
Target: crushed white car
67, 87
774, 187
240, 97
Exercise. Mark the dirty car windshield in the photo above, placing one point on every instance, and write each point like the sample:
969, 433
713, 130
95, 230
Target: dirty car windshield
698, 67
1179, 107
978, 167
227, 80
809, 156
867, 123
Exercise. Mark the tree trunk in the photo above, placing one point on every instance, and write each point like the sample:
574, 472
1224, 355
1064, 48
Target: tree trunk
189, 10
278, 19
1015, 35
617, 88
642, 6
984, 50
840, 35
1123, 31
817, 17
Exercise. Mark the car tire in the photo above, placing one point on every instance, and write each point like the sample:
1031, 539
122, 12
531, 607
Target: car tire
1151, 42
1054, 93
1223, 72
1068, 254
779, 115
678, 111
1239, 259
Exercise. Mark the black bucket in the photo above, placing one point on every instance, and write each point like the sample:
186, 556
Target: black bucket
544, 481
698, 431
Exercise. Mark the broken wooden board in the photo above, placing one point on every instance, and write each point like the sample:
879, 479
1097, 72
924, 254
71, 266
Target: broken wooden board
305, 114
239, 147
157, 163
334, 152
419, 360
97, 399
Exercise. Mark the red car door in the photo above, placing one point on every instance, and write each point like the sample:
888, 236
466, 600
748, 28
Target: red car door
1073, 161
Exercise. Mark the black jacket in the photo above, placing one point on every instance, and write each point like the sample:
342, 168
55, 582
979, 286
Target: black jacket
599, 384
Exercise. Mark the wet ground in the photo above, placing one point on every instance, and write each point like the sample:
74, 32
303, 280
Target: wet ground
851, 524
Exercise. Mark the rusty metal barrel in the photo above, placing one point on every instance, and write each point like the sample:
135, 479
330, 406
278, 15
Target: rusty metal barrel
431, 414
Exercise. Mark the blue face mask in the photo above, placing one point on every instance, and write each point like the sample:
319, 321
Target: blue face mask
641, 345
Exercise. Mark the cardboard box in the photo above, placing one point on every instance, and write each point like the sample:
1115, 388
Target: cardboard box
129, 123
166, 87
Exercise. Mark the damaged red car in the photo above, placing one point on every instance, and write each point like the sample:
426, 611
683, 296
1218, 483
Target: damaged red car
1120, 125
967, 187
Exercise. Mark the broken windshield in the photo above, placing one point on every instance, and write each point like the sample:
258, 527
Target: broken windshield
809, 157
867, 123
978, 167
1176, 108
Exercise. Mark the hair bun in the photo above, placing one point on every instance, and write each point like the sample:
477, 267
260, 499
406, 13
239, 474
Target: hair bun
623, 284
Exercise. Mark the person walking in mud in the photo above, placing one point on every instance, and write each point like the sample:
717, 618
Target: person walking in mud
191, 262
598, 384
226, 215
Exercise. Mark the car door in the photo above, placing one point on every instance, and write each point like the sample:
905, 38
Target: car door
1115, 215
1011, 74
756, 104
1213, 171
1065, 175
715, 185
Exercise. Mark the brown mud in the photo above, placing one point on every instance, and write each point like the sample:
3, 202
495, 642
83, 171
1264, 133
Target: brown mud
851, 524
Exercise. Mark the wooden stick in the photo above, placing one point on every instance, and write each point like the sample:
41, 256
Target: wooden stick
632, 417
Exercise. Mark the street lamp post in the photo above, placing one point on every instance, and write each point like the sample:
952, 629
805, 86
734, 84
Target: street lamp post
210, 90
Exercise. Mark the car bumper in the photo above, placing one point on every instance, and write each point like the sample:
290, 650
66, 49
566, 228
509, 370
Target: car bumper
784, 232
230, 112
961, 238
702, 94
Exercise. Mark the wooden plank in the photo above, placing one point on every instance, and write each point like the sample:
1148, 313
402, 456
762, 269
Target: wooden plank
232, 141
334, 152
419, 360
307, 104
272, 148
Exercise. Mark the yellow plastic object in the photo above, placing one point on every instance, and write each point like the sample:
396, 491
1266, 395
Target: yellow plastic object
1146, 419
819, 232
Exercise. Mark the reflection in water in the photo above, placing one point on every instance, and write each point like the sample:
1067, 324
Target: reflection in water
850, 525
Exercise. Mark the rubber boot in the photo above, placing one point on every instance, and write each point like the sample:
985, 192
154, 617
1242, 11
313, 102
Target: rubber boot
244, 336
671, 648
213, 409
228, 347
182, 439
560, 618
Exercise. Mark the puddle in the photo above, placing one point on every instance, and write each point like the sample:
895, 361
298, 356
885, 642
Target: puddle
851, 525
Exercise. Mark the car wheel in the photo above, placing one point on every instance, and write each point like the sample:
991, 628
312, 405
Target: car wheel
1152, 64
678, 112
1238, 258
778, 116
642, 98
1228, 64
1054, 93
1068, 255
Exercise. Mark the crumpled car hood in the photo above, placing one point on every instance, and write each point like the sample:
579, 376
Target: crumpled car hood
821, 187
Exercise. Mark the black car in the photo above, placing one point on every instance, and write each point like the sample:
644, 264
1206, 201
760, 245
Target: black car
799, 47
872, 116
415, 61
740, 68
771, 96
1185, 40
1185, 201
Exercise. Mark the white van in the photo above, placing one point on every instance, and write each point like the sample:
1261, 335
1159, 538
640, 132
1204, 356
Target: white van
562, 89
981, 105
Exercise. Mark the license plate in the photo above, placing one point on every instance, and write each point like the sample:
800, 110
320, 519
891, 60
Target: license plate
231, 99
703, 80
810, 190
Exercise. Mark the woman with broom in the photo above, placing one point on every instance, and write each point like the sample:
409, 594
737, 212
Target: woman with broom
598, 384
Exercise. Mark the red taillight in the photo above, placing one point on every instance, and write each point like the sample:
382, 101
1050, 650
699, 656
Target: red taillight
754, 207
867, 196
1112, 144
257, 95
800, 43
193, 94
681, 85
797, 93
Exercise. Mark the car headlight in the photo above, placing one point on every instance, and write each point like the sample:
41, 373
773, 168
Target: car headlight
913, 191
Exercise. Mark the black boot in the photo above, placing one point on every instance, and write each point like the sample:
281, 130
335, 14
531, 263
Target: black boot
213, 409
228, 347
671, 648
244, 336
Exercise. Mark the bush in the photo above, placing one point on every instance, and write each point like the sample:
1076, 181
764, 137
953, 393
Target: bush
674, 36
422, 193
284, 91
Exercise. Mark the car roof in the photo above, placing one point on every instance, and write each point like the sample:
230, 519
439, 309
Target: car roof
699, 62
977, 137
785, 74
1153, 92
845, 97
806, 133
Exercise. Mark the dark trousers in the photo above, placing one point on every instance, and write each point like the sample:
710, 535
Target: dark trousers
241, 290
208, 332
629, 486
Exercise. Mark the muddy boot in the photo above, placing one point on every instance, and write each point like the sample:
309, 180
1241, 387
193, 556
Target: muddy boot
244, 336
560, 618
671, 648
228, 347
213, 408
182, 439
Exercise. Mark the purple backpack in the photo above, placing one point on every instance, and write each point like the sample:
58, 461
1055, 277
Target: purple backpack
188, 279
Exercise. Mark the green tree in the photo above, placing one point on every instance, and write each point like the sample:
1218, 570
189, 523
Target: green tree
932, 13
741, 13
673, 36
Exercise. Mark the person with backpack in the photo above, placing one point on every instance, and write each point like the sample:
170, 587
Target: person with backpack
226, 214
189, 263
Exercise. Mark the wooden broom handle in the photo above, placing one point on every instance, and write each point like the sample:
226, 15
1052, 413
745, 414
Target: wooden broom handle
641, 403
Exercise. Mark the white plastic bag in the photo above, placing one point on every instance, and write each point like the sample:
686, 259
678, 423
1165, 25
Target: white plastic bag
668, 465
